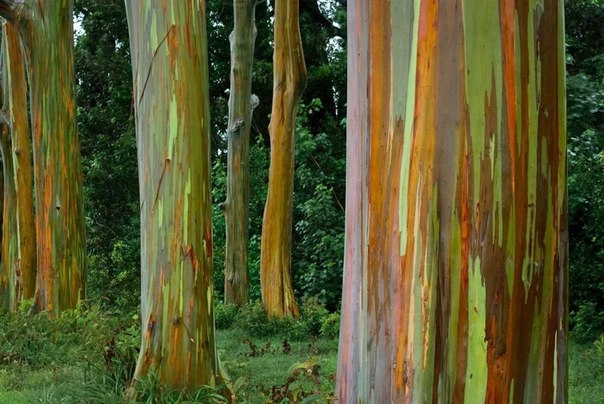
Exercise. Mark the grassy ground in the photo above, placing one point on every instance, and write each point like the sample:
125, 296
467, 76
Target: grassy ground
88, 357
276, 368
66, 361
586, 373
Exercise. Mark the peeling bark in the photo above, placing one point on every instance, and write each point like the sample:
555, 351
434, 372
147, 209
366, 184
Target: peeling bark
170, 72
7, 206
9, 242
46, 33
20, 259
236, 207
455, 274
289, 79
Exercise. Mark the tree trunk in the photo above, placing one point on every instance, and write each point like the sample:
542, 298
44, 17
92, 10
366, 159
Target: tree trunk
10, 235
170, 71
289, 78
5, 289
46, 30
455, 275
236, 207
21, 260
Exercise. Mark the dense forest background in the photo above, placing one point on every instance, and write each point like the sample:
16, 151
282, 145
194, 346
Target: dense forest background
585, 106
106, 129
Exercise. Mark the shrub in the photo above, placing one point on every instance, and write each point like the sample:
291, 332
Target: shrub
330, 327
256, 322
313, 315
587, 323
224, 315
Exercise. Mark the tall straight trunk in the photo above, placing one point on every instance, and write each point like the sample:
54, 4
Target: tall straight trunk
21, 259
170, 71
455, 274
10, 241
46, 31
241, 105
5, 289
289, 79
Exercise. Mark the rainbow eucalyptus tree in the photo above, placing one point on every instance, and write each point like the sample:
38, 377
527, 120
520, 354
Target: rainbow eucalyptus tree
170, 75
5, 289
455, 275
289, 79
241, 105
9, 242
21, 258
46, 35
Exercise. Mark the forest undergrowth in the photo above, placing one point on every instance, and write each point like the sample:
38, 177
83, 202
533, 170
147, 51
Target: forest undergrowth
88, 356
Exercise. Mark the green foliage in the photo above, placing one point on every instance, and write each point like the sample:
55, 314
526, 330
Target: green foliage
259, 163
254, 320
26, 305
224, 315
313, 314
586, 214
320, 142
84, 353
330, 327
585, 110
587, 322
585, 102
109, 164
319, 209
151, 391
584, 40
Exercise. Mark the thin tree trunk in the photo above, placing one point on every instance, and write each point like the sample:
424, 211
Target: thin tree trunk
241, 105
289, 78
455, 274
170, 71
46, 31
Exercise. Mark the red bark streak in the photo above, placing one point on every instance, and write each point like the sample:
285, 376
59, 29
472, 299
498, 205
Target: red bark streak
508, 38
208, 239
175, 338
175, 210
378, 281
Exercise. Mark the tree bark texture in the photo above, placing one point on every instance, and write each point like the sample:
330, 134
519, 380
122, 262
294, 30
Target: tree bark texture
289, 78
170, 71
10, 235
46, 32
7, 213
455, 274
20, 260
236, 208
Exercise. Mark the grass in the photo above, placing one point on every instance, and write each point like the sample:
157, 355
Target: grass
586, 373
87, 357
276, 368
66, 361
